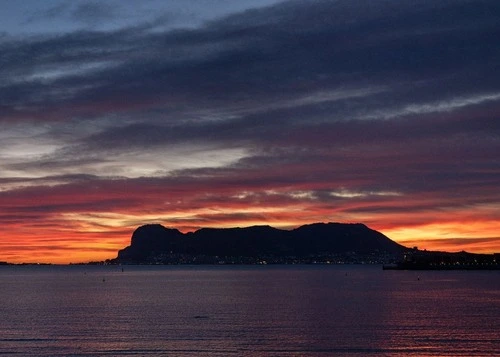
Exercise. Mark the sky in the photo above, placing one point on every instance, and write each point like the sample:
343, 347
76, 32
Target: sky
223, 113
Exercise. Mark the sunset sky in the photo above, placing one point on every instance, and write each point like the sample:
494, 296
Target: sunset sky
224, 113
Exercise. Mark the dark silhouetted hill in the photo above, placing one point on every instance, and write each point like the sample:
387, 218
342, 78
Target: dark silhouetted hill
154, 243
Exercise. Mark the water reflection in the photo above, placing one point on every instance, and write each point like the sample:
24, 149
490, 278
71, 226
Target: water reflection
258, 311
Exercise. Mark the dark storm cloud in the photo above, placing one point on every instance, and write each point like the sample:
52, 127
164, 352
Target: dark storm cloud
289, 128
267, 54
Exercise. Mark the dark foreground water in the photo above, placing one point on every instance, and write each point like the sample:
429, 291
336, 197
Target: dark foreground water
247, 311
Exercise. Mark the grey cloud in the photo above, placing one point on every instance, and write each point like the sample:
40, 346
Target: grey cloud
223, 83
86, 12
93, 12
308, 126
53, 12
277, 51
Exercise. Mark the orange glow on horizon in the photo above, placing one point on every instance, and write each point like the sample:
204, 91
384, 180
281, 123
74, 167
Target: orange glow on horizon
81, 237
71, 234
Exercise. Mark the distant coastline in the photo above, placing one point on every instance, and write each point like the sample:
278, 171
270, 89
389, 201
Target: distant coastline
415, 259
27, 264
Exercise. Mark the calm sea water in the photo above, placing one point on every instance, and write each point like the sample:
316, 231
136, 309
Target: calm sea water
247, 311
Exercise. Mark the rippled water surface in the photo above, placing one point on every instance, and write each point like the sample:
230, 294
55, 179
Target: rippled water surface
247, 311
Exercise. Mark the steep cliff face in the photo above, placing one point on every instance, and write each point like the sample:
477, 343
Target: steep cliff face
315, 239
151, 239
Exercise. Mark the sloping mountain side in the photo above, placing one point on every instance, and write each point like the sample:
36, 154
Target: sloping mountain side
319, 242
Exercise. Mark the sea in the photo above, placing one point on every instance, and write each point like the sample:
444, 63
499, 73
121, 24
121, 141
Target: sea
268, 310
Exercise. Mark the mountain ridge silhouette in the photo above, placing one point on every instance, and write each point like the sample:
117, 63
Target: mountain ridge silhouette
150, 242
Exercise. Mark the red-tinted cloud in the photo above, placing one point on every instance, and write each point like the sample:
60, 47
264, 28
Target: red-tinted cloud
284, 115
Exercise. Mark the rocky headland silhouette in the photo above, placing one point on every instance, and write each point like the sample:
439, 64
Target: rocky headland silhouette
312, 243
